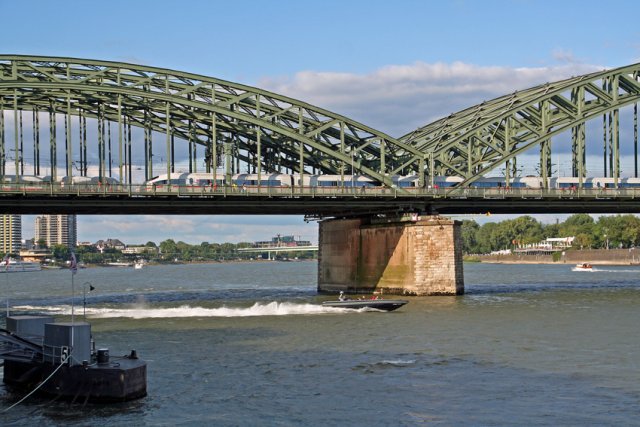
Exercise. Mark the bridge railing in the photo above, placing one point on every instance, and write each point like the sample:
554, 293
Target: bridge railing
146, 190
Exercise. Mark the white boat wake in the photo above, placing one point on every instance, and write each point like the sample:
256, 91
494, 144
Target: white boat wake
144, 312
601, 270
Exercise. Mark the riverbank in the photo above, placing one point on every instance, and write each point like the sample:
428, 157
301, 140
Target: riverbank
212, 261
592, 256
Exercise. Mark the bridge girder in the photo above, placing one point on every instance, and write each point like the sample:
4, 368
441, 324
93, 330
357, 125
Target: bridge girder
201, 110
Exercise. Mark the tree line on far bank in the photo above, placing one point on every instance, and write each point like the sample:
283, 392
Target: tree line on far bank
608, 232
169, 251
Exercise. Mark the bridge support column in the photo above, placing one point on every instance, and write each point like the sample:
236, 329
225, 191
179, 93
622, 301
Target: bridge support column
421, 256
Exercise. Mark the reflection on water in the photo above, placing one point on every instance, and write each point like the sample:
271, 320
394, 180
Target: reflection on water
250, 344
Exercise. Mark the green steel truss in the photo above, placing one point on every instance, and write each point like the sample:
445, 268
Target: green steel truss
476, 140
265, 131
268, 132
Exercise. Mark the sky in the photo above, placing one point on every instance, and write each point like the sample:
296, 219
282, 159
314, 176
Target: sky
393, 65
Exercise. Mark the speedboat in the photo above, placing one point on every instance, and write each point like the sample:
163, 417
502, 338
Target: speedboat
375, 303
585, 266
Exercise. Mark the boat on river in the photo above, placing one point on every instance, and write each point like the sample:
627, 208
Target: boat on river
15, 266
120, 264
374, 303
585, 266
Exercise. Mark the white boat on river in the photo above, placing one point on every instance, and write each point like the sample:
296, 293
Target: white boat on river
15, 266
585, 266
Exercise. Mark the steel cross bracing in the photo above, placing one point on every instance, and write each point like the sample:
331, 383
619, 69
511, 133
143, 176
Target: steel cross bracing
266, 131
476, 140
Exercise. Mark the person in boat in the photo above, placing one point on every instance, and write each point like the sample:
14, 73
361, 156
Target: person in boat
341, 297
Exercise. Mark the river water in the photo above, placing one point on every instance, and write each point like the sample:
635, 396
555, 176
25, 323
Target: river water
248, 344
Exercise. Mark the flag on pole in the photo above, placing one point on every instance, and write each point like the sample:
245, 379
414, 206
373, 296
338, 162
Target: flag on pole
74, 264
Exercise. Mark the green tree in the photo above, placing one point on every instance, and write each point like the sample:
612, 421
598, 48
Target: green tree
583, 241
168, 248
61, 253
578, 224
469, 230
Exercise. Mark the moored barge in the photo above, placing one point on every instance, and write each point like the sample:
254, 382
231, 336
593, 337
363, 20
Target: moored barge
60, 360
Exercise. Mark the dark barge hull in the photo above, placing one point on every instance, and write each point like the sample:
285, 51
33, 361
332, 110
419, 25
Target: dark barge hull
380, 304
116, 381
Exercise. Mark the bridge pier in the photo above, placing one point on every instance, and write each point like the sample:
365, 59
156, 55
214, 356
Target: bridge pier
417, 256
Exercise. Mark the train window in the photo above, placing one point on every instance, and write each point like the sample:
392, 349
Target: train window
442, 184
486, 184
264, 182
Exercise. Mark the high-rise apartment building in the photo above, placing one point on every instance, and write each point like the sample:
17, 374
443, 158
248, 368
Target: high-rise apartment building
10, 233
57, 230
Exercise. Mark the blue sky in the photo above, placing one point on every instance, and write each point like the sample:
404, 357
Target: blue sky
392, 65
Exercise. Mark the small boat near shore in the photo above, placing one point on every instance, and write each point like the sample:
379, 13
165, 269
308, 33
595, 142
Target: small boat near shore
14, 266
374, 303
585, 266
120, 264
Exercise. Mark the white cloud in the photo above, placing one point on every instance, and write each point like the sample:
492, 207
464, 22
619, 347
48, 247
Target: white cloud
564, 55
399, 98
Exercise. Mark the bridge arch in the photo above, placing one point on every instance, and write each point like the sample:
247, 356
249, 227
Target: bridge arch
249, 128
477, 140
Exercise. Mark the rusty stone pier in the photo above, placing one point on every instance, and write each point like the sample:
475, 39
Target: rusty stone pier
402, 256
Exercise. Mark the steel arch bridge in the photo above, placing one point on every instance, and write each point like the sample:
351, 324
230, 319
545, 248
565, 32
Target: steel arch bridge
266, 131
148, 121
476, 140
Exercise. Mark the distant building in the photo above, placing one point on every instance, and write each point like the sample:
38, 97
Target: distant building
547, 246
109, 244
28, 244
57, 230
10, 233
37, 255
136, 250
282, 241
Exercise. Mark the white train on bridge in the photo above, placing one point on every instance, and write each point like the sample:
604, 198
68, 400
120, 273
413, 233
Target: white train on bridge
206, 180
359, 181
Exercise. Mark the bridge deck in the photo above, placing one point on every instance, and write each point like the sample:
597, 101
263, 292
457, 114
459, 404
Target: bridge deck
320, 201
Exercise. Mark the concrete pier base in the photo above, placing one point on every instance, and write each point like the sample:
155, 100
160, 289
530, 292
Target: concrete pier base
415, 256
